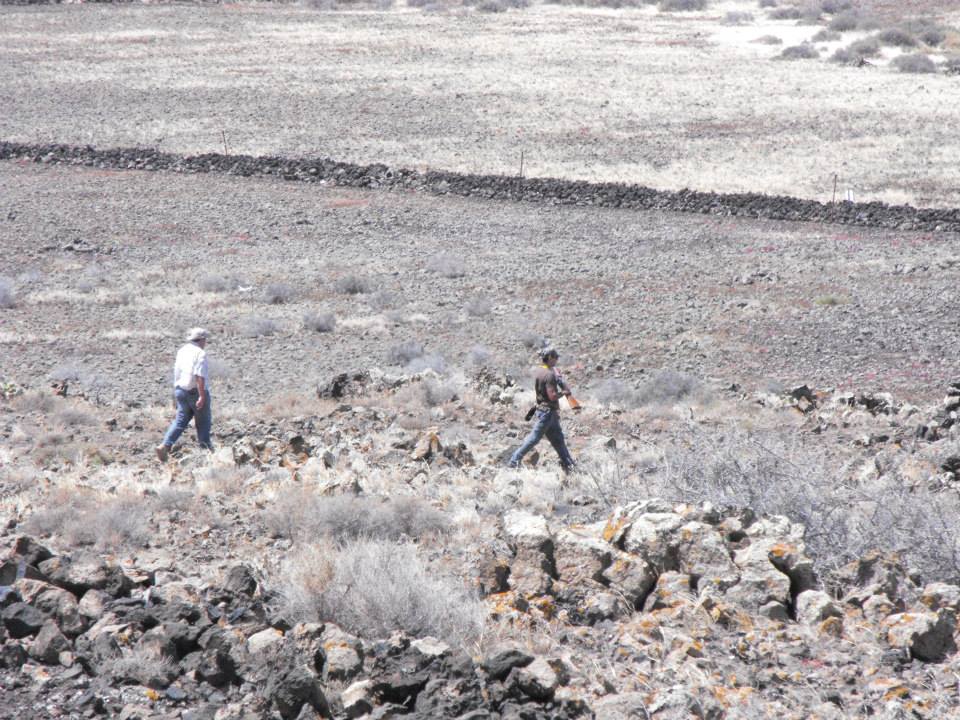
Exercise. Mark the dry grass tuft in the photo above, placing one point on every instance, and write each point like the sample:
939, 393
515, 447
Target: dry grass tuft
88, 518
298, 514
373, 588
7, 295
321, 322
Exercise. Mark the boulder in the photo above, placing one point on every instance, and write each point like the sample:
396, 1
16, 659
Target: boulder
358, 699
929, 636
499, 664
85, 573
815, 606
532, 568
22, 620
260, 641
54, 602
621, 706
344, 655
631, 576
654, 536
240, 580
48, 644
672, 590
702, 553
540, 679
30, 551
291, 687
941, 595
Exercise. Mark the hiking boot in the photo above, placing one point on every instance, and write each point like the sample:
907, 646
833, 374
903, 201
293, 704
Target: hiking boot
163, 452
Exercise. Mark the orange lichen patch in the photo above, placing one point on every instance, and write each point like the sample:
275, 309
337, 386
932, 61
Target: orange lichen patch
613, 527
896, 693
545, 605
832, 626
729, 696
782, 550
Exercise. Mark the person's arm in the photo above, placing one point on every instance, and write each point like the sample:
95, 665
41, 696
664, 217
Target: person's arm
202, 389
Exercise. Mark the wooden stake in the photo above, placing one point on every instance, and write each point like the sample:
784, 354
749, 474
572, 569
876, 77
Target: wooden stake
223, 136
521, 163
834, 188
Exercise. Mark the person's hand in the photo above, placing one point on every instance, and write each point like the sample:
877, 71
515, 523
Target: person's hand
201, 401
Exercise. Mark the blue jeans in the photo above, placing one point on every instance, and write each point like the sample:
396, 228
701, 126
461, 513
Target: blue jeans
547, 423
187, 411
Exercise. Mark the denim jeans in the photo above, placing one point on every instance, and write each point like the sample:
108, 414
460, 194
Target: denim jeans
187, 411
547, 423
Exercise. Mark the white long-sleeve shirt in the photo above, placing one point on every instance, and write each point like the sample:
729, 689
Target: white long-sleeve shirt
191, 363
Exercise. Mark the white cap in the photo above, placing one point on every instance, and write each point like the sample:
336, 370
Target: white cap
197, 333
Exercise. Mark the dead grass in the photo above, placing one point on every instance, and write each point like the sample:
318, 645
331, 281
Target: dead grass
82, 517
372, 588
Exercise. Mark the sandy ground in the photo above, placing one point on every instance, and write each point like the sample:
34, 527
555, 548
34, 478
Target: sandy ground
667, 100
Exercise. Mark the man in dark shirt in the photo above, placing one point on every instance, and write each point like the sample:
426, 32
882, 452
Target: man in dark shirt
549, 387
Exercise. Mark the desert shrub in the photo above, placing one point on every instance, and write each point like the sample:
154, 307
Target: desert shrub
218, 283
322, 322
669, 386
918, 63
932, 36
897, 37
844, 56
69, 371
737, 18
769, 40
373, 588
277, 294
682, 5
952, 64
7, 296
826, 36
405, 352
800, 52
352, 285
143, 666
438, 392
91, 519
491, 6
844, 22
449, 266
254, 326
218, 369
832, 7
302, 515
478, 307
479, 355
785, 13
615, 392
73, 417
865, 47
766, 3
429, 361
382, 300
532, 340
117, 299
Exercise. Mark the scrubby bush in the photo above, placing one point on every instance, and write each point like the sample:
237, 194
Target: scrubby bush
491, 6
302, 515
682, 5
352, 285
403, 353
800, 52
670, 386
478, 307
952, 64
322, 322
449, 266
73, 417
218, 369
865, 47
769, 40
218, 283
532, 340
832, 7
615, 392
767, 3
277, 294
91, 519
479, 355
431, 361
254, 326
897, 37
382, 300
785, 13
737, 18
69, 371
374, 588
826, 36
438, 392
852, 20
933, 36
914, 64
7, 296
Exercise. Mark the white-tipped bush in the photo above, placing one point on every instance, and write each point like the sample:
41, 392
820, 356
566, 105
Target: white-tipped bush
322, 322
405, 352
7, 297
254, 326
352, 285
277, 294
914, 64
478, 307
373, 588
449, 266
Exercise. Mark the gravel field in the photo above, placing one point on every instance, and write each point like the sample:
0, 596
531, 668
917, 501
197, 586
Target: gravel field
108, 267
669, 100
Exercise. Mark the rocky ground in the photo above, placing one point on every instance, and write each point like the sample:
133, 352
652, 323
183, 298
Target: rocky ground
763, 522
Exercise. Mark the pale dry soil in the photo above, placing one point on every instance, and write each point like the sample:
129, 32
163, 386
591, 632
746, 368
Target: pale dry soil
107, 269
669, 100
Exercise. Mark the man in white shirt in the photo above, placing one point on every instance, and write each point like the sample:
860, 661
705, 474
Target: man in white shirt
191, 389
